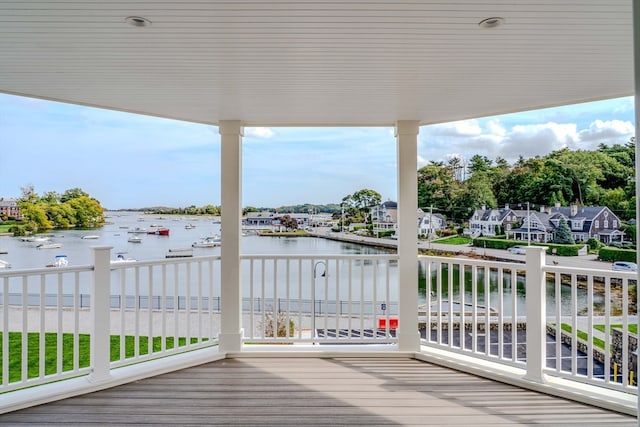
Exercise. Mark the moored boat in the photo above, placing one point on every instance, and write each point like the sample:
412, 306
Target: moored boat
134, 239
91, 237
49, 245
59, 261
207, 242
4, 264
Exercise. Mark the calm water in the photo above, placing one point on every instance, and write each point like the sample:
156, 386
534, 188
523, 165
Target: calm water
115, 233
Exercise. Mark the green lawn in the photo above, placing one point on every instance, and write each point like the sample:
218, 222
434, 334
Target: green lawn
455, 240
583, 336
51, 353
633, 327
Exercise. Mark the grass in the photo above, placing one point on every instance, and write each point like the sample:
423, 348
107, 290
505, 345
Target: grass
455, 240
633, 327
51, 351
583, 336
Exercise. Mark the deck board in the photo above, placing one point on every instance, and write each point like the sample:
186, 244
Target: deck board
307, 392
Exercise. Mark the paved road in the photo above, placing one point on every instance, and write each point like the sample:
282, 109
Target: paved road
583, 261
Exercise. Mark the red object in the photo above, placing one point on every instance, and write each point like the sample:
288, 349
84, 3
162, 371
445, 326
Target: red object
393, 323
162, 231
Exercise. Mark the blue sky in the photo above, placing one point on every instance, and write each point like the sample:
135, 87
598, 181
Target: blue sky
131, 161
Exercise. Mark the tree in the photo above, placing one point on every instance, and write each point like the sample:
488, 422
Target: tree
73, 193
362, 201
289, 222
563, 233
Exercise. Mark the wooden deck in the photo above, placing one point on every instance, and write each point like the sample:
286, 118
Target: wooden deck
312, 391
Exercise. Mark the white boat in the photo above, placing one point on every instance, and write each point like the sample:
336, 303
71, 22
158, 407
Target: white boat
4, 264
35, 239
189, 226
49, 245
59, 261
91, 236
135, 239
121, 260
138, 230
207, 242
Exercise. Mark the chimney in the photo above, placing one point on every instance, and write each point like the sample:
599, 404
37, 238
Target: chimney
484, 207
574, 209
557, 205
541, 208
506, 205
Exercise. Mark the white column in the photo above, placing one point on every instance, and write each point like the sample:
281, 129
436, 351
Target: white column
100, 348
536, 313
230, 338
407, 149
636, 75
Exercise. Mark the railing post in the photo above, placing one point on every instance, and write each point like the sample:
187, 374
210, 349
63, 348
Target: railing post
100, 311
536, 313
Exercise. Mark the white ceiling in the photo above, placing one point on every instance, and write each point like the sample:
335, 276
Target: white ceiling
313, 62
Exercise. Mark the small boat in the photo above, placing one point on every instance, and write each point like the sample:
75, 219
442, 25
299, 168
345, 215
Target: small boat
207, 242
120, 259
91, 237
59, 261
49, 245
4, 264
135, 239
189, 226
137, 230
160, 232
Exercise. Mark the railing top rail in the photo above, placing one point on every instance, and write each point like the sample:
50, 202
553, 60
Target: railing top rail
581, 271
322, 256
474, 262
19, 272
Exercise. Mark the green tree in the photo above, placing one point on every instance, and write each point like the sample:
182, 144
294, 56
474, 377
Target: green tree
362, 201
563, 233
87, 211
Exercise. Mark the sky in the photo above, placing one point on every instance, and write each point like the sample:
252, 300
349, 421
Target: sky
133, 161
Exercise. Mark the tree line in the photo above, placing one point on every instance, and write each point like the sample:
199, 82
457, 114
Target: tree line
601, 177
73, 208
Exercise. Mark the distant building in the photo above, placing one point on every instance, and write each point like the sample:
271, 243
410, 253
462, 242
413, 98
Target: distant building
429, 223
384, 217
271, 220
585, 222
10, 208
492, 222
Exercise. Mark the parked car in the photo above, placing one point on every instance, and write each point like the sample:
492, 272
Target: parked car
518, 250
624, 266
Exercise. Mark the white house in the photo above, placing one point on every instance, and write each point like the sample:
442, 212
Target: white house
429, 223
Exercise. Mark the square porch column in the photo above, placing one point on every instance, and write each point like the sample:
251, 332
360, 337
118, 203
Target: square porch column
407, 149
230, 338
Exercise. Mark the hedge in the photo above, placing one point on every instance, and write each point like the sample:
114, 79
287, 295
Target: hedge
615, 254
560, 250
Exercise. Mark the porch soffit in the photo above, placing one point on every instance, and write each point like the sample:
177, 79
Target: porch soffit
304, 62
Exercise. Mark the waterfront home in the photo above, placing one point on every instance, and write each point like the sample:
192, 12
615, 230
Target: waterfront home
585, 222
9, 208
492, 222
243, 64
429, 223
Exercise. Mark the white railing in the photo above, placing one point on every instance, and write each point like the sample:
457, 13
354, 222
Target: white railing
65, 322
474, 307
320, 299
520, 315
567, 322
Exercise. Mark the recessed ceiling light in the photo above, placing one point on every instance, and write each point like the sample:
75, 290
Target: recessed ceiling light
491, 22
137, 21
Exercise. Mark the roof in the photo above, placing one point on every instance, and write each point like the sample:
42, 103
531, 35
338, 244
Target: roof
305, 62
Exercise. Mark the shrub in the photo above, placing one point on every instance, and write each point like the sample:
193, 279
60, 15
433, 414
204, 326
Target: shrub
615, 254
270, 325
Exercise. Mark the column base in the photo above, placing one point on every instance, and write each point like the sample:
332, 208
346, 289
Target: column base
230, 343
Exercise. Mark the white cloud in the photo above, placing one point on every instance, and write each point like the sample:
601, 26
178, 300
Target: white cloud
259, 132
613, 131
538, 140
460, 128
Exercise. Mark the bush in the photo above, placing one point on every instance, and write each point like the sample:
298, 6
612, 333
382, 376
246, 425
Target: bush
557, 249
270, 325
615, 254
594, 244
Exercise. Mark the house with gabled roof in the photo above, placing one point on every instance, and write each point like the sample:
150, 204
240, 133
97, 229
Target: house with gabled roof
585, 222
492, 222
